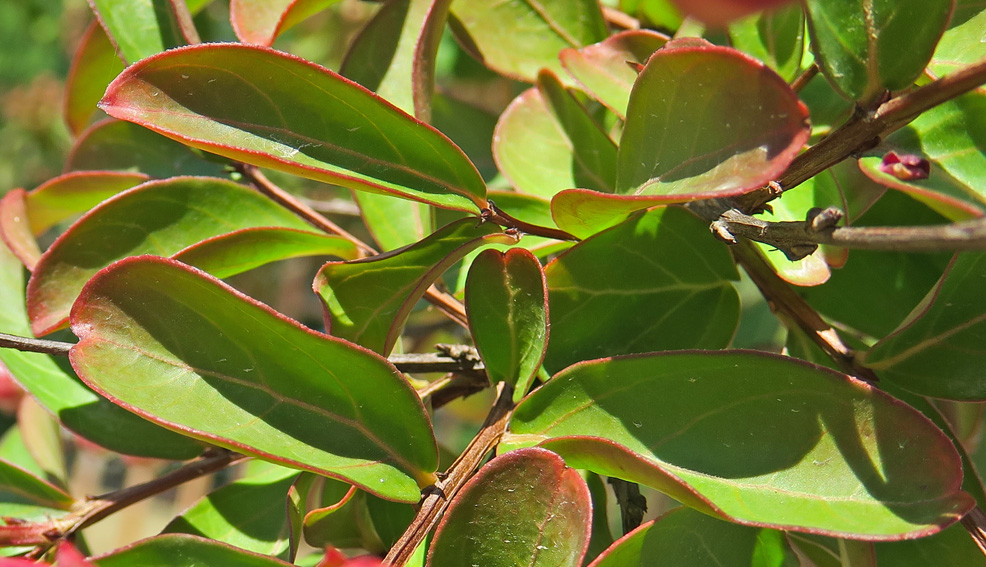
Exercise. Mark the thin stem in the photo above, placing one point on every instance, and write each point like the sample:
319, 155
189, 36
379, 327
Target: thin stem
26, 344
804, 78
437, 497
494, 214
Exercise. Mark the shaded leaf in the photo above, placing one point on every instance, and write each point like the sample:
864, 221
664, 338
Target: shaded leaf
367, 301
776, 37
686, 537
242, 376
507, 304
867, 46
261, 21
139, 28
27, 497
42, 438
94, 65
640, 287
964, 42
605, 69
248, 513
752, 438
249, 248
938, 350
158, 217
58, 390
952, 546
518, 38
119, 145
522, 508
295, 117
336, 521
180, 550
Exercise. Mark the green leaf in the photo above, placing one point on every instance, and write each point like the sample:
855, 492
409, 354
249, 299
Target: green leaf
180, 550
261, 21
776, 37
687, 538
248, 513
242, 376
367, 301
753, 438
639, 287
249, 248
336, 521
42, 437
94, 65
26, 497
25, 215
964, 42
950, 547
606, 68
518, 38
522, 508
507, 304
75, 406
293, 116
867, 46
821, 551
139, 28
118, 145
938, 350
158, 217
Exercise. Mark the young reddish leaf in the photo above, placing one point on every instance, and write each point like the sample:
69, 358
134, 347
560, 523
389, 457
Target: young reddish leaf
261, 21
522, 508
335, 558
922, 354
716, 13
75, 406
158, 217
293, 116
141, 29
367, 301
249, 248
687, 537
518, 38
118, 145
507, 304
240, 375
907, 167
865, 47
69, 556
94, 65
605, 69
25, 215
633, 289
753, 438
180, 550
703, 121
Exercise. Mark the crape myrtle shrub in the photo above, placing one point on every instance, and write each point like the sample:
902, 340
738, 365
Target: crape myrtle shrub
576, 203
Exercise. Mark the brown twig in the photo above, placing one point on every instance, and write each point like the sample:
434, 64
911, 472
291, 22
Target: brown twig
782, 299
494, 214
437, 497
804, 78
26, 344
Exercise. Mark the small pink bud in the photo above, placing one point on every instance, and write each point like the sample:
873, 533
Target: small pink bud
907, 167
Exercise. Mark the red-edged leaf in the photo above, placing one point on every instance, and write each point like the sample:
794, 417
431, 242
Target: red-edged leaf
718, 13
95, 64
753, 438
261, 21
180, 550
367, 301
507, 304
182, 349
522, 508
296, 117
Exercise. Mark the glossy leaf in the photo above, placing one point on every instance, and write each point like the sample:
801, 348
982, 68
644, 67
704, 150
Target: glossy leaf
94, 65
25, 215
522, 508
518, 38
159, 217
964, 42
605, 69
867, 46
684, 537
139, 28
507, 304
295, 117
118, 145
938, 351
261, 21
180, 550
57, 389
776, 37
248, 513
27, 497
249, 248
367, 301
639, 287
242, 376
753, 438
